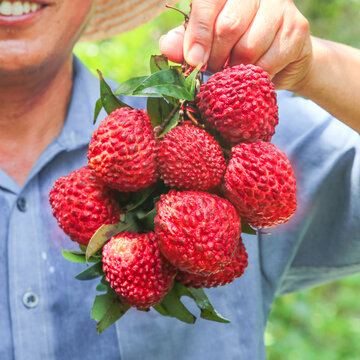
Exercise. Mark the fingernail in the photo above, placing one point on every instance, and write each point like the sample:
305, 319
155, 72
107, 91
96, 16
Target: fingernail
196, 55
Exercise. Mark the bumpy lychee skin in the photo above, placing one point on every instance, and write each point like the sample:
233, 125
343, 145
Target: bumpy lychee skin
197, 231
190, 159
81, 204
260, 182
230, 272
123, 150
240, 103
136, 270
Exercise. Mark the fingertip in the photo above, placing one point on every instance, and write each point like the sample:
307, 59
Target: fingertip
171, 44
196, 55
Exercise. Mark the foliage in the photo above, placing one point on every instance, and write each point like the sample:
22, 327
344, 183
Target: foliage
335, 20
126, 55
317, 324
321, 323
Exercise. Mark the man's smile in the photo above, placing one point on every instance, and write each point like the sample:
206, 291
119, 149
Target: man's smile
19, 8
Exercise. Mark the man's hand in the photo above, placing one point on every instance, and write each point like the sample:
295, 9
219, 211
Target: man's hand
270, 33
274, 35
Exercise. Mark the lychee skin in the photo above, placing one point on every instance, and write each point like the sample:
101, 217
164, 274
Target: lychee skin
81, 204
136, 270
260, 182
190, 159
240, 103
123, 150
231, 271
197, 231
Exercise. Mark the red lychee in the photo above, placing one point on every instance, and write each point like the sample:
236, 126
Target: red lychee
230, 272
190, 159
197, 231
260, 182
81, 204
123, 150
136, 270
240, 103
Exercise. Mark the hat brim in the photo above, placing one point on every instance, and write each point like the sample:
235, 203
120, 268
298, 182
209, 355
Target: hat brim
112, 17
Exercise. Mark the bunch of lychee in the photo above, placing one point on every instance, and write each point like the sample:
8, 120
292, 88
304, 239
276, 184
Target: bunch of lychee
196, 238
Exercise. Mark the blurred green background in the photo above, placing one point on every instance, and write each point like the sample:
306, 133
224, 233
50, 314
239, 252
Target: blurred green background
317, 324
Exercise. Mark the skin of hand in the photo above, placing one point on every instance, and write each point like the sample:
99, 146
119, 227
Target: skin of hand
270, 33
274, 35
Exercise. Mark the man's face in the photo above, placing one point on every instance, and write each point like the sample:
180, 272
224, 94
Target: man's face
32, 33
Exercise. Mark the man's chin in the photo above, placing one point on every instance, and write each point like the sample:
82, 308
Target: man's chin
17, 65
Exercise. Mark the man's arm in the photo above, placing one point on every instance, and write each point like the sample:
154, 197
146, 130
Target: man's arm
333, 81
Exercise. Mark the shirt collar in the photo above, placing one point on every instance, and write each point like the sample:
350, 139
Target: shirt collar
77, 129
78, 126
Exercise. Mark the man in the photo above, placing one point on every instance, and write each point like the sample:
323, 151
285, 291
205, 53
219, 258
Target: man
47, 101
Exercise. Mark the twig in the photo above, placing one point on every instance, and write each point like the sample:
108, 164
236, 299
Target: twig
181, 12
159, 129
195, 122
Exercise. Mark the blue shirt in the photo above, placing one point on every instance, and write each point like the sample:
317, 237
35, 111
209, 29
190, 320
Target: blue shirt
45, 312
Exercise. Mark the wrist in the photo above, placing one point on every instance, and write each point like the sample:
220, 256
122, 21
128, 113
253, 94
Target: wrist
305, 82
322, 63
332, 80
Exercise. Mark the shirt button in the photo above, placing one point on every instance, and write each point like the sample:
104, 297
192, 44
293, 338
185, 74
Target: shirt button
22, 204
30, 300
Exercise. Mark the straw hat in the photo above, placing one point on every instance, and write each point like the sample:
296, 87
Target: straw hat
112, 17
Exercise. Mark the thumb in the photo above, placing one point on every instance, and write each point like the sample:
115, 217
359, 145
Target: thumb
199, 32
171, 44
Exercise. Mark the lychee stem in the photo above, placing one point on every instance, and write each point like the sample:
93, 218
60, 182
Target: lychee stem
159, 129
181, 12
195, 122
100, 75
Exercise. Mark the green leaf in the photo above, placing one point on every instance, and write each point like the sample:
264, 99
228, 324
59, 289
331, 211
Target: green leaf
131, 219
77, 256
157, 198
207, 310
177, 68
161, 310
172, 304
103, 285
172, 101
129, 86
74, 256
107, 309
158, 110
109, 101
171, 124
246, 228
139, 198
147, 220
102, 235
182, 290
158, 62
98, 107
82, 247
168, 82
191, 80
92, 272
